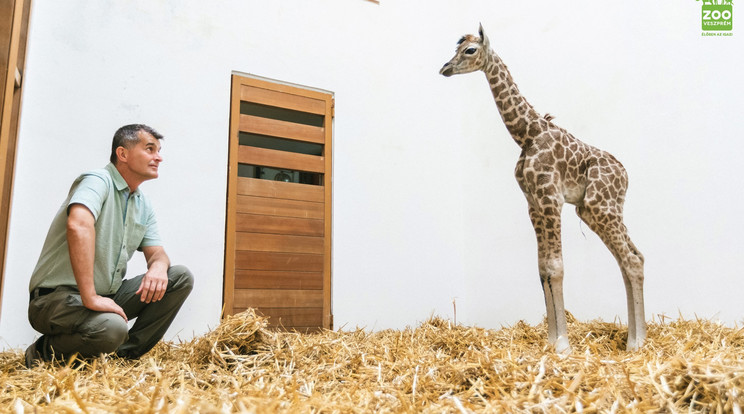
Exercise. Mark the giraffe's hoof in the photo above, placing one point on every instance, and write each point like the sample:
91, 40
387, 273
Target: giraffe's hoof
634, 345
562, 347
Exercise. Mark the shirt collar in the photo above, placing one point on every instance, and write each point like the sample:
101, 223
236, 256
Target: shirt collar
119, 182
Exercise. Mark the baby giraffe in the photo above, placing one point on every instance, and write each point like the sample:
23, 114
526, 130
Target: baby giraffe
556, 168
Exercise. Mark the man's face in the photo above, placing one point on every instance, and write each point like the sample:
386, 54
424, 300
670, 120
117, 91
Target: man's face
144, 158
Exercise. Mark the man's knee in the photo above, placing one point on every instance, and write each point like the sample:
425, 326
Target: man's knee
181, 278
105, 332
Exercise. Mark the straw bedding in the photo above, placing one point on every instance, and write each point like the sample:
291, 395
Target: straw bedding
439, 366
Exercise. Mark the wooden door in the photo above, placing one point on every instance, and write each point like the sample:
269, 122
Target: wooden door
278, 237
14, 16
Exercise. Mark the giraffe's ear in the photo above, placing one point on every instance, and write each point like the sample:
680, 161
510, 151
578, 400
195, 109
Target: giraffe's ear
484, 39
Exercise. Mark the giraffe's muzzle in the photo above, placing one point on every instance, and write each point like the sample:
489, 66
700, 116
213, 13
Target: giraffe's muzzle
446, 70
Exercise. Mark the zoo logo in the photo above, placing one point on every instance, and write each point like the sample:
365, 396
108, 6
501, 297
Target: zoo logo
717, 16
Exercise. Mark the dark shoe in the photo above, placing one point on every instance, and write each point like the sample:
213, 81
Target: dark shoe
37, 352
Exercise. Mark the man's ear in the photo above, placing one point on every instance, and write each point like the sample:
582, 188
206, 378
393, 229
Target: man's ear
121, 154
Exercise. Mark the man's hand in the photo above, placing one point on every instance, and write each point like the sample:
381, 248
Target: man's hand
153, 286
104, 304
155, 281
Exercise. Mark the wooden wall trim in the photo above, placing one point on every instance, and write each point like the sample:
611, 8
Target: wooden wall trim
228, 296
328, 186
14, 38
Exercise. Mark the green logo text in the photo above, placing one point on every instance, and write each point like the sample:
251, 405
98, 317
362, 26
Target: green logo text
717, 15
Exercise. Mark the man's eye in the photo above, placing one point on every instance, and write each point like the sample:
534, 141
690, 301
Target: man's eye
470, 51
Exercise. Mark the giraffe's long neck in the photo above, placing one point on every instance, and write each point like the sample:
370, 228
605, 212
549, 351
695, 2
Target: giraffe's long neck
516, 112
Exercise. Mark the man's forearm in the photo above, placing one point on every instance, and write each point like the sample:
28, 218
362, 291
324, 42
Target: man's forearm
81, 239
159, 261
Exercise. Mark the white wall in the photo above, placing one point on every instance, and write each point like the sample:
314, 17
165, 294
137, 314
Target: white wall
426, 209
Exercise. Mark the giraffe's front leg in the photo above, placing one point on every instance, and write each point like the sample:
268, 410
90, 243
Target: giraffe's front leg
547, 224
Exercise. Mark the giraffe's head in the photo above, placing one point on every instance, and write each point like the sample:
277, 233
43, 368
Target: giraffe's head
470, 56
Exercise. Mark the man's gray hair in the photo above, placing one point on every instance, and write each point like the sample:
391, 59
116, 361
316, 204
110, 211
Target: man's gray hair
128, 136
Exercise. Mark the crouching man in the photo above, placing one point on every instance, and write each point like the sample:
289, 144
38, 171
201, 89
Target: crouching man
79, 299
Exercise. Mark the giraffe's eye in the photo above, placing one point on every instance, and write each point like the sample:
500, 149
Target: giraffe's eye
470, 50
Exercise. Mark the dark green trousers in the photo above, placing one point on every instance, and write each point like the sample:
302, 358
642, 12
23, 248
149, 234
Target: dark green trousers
71, 328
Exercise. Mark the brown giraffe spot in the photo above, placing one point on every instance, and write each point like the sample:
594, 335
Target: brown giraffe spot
534, 129
561, 166
529, 176
559, 151
543, 179
546, 158
519, 126
510, 116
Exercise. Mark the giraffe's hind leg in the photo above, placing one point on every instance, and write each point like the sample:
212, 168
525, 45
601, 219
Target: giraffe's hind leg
606, 221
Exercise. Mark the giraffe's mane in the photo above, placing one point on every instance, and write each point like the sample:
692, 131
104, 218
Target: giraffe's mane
467, 38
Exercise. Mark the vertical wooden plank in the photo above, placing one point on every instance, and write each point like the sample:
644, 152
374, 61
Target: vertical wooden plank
228, 297
328, 185
6, 111
10, 106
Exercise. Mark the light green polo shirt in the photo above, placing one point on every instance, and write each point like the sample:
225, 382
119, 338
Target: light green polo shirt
124, 223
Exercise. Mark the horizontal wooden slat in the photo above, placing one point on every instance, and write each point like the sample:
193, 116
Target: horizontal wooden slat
285, 88
282, 100
256, 223
278, 298
261, 242
267, 279
281, 129
280, 159
285, 328
247, 260
279, 189
293, 317
278, 207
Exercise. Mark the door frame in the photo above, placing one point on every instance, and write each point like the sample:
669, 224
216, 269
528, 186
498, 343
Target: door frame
13, 40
